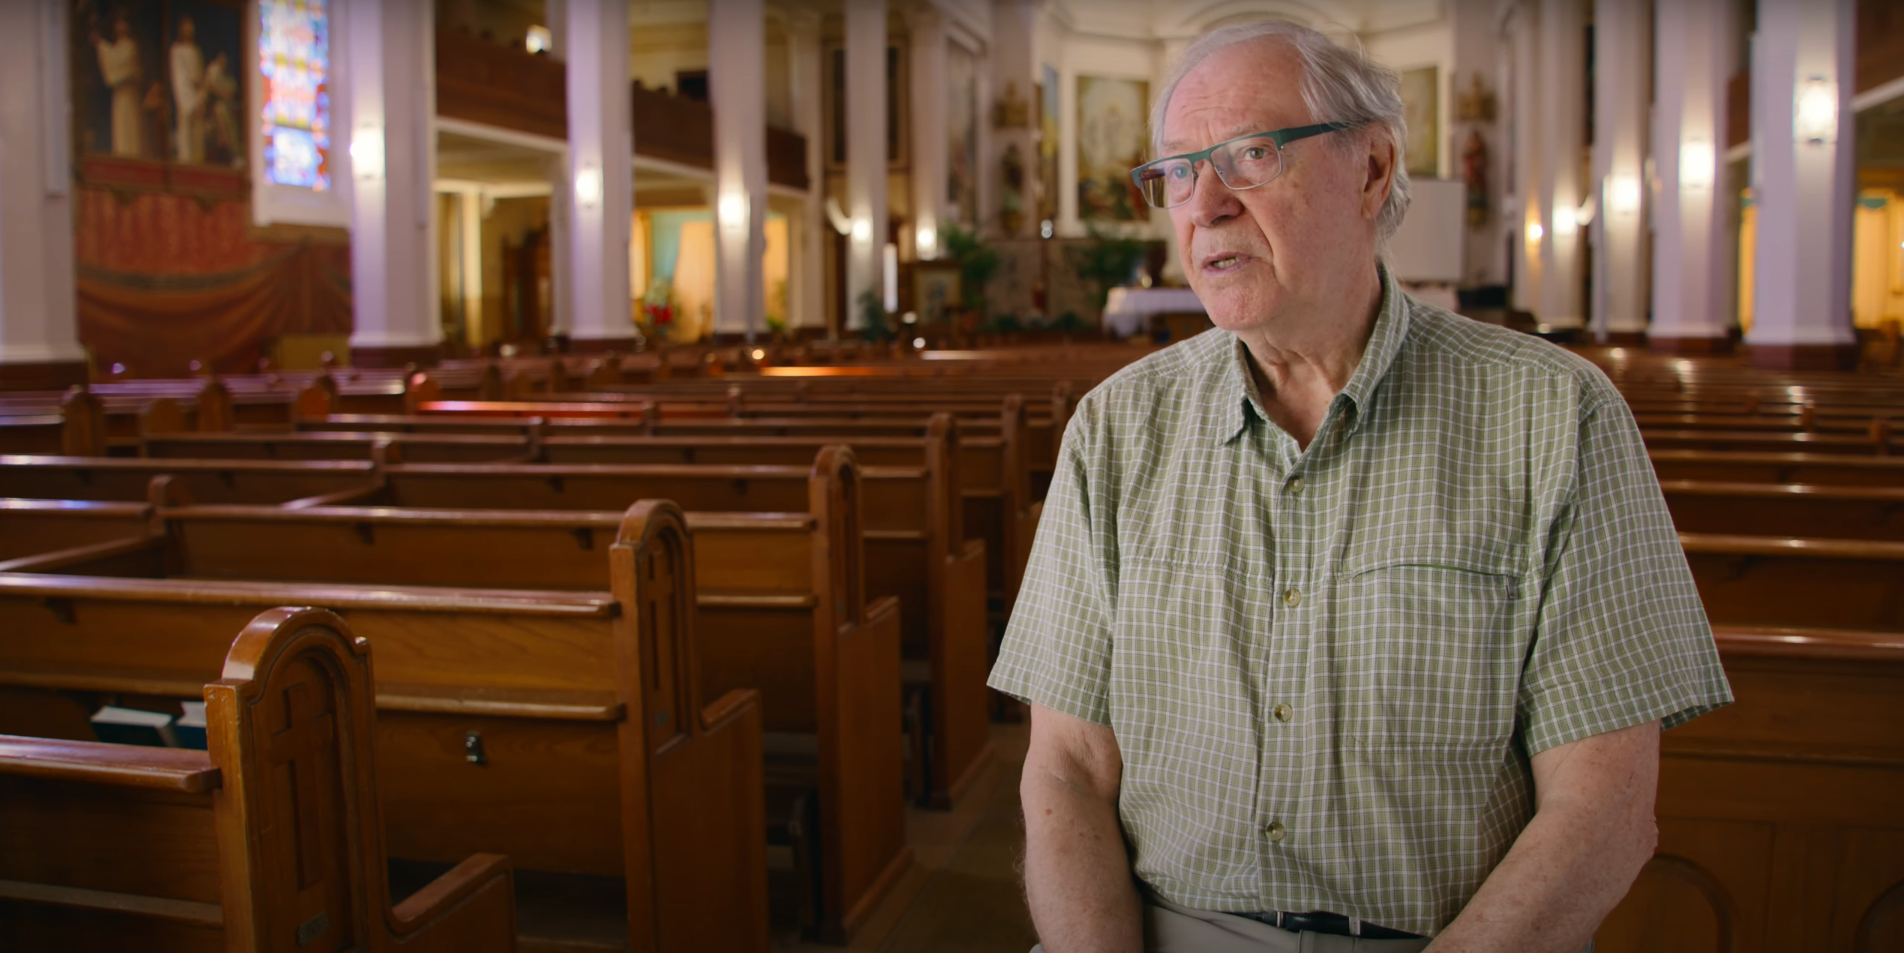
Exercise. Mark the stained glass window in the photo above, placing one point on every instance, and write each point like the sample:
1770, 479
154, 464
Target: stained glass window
294, 60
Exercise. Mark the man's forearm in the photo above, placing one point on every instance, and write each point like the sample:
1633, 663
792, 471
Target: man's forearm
1077, 871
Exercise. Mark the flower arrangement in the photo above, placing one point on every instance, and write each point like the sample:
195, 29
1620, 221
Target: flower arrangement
657, 309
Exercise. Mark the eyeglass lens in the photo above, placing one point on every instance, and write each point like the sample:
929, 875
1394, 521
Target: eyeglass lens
1241, 164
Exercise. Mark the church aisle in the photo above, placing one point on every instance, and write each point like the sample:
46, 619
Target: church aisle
962, 894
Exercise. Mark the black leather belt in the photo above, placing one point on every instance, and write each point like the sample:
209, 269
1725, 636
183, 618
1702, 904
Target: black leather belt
1334, 924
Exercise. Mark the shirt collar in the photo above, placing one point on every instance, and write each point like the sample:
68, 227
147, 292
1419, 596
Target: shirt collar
1238, 399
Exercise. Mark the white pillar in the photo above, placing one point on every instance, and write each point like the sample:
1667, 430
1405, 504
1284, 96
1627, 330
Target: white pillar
1014, 66
806, 68
1692, 288
1620, 101
928, 129
1562, 76
1520, 85
39, 344
561, 197
391, 55
601, 173
865, 153
1803, 58
737, 87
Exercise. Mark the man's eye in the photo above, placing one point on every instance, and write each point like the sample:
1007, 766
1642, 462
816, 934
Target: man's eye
1179, 172
1255, 154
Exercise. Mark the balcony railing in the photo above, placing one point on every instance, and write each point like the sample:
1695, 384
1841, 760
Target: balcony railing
483, 81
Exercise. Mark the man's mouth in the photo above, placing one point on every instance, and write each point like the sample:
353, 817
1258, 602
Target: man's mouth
1222, 263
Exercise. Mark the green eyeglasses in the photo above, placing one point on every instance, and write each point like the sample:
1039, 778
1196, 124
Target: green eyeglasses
1244, 162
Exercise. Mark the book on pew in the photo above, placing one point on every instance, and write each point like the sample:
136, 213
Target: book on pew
190, 727
130, 726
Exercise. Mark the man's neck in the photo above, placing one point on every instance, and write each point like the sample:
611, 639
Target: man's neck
1300, 364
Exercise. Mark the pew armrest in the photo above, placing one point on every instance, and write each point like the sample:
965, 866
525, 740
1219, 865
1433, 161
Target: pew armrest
94, 762
729, 707
470, 907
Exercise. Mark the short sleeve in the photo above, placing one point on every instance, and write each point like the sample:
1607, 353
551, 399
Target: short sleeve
1621, 637
1057, 647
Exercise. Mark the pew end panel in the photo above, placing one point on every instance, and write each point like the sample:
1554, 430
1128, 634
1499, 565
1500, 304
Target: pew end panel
1778, 814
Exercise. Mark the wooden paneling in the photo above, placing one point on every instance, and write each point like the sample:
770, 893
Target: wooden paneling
481, 81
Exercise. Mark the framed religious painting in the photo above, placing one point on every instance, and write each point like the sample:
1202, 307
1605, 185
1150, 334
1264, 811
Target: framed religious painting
158, 92
1111, 123
935, 291
1421, 110
1048, 133
961, 134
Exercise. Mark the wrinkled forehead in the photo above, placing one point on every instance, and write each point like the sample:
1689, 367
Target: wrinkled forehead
1252, 86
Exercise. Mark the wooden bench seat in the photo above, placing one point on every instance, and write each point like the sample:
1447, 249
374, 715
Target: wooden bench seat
1770, 441
271, 839
1785, 509
565, 725
203, 481
1745, 466
908, 514
353, 445
1803, 582
38, 526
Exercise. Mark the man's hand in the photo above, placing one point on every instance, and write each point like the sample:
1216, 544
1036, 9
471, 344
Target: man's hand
1592, 831
1077, 870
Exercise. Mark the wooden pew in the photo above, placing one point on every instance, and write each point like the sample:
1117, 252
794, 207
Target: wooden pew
1778, 820
1745, 466
28, 527
1770, 441
909, 513
1803, 582
271, 839
1786, 509
342, 445
566, 726
201, 481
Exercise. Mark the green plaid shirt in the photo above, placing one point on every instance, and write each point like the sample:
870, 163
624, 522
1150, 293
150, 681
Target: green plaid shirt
1327, 668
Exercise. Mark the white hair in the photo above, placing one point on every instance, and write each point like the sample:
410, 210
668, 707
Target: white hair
1339, 84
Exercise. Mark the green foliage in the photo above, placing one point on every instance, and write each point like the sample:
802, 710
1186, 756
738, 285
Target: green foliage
1068, 321
977, 261
872, 308
1105, 262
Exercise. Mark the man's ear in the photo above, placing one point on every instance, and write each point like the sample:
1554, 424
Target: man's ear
1381, 174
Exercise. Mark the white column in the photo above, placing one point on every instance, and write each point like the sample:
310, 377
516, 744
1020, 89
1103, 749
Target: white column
391, 55
1562, 77
1804, 177
865, 152
601, 173
807, 296
737, 86
928, 129
1520, 84
1014, 65
1692, 289
1620, 31
561, 197
38, 330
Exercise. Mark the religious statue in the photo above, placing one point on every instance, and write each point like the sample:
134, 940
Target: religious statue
119, 69
1012, 111
1011, 200
1474, 166
1477, 104
188, 94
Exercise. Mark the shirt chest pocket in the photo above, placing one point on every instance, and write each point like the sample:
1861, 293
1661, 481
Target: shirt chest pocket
1427, 652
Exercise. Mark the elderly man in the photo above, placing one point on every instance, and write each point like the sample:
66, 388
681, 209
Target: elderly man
1352, 623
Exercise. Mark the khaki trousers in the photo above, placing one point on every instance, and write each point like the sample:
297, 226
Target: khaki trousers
1169, 928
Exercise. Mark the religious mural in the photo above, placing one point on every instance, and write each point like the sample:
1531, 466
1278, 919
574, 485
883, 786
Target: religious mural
1111, 125
961, 134
159, 80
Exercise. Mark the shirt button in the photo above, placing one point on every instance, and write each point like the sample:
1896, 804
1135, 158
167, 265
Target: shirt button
1295, 486
1274, 832
1292, 598
1282, 712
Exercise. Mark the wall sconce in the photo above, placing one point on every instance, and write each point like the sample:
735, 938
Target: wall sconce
1535, 233
926, 240
366, 152
1815, 111
733, 211
1566, 221
1695, 165
588, 186
862, 230
1623, 194
539, 39
837, 217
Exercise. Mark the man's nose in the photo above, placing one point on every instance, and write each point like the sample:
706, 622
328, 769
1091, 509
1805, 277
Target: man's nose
1211, 202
